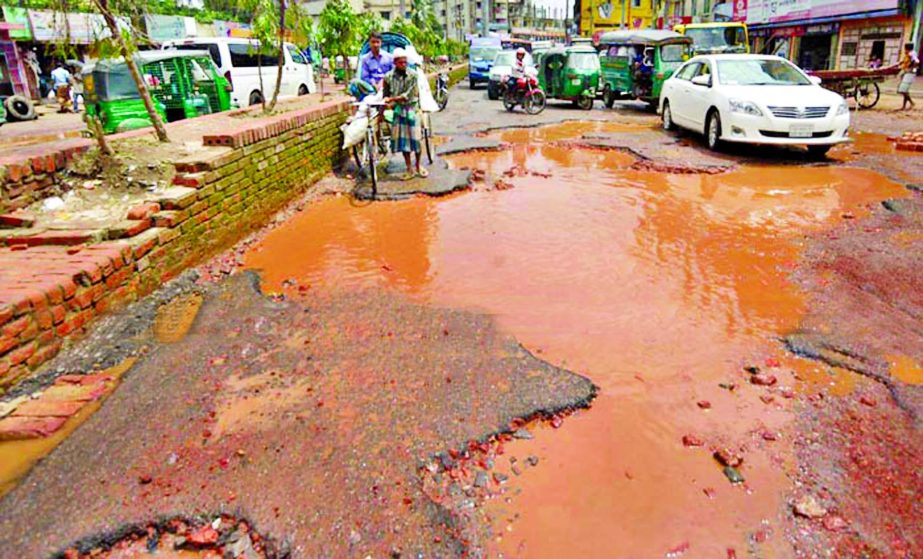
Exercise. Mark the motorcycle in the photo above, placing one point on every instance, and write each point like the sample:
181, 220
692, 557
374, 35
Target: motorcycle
442, 90
524, 91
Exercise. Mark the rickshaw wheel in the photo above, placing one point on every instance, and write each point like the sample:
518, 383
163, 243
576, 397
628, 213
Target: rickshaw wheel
608, 97
535, 103
867, 96
585, 103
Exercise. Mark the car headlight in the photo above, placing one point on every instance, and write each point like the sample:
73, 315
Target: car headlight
843, 108
745, 107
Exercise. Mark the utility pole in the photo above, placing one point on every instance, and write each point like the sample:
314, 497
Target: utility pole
622, 20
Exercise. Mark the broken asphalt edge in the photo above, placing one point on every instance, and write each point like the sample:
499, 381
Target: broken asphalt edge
138, 318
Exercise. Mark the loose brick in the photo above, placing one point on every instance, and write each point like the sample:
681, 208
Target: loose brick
143, 211
51, 408
14, 428
128, 228
17, 219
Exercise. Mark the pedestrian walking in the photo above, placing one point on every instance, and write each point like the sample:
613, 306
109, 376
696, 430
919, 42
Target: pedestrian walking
76, 89
61, 80
909, 64
401, 94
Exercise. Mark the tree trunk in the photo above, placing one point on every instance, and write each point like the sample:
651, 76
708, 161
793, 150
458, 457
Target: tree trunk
103, 6
96, 128
275, 93
259, 70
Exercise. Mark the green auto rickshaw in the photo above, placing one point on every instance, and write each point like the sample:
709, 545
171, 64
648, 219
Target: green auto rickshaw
182, 83
636, 63
570, 73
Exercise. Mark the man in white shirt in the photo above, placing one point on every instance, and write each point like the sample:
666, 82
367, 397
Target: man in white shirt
61, 79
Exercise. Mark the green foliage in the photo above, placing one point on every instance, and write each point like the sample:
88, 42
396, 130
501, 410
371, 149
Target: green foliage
338, 29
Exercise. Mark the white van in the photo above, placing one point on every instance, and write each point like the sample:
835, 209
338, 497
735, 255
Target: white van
238, 61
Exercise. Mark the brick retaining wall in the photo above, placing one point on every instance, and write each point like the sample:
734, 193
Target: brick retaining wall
50, 292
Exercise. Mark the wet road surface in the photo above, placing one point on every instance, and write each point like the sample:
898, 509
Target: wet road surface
662, 288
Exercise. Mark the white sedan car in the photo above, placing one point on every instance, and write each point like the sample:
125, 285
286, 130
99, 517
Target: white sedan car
753, 99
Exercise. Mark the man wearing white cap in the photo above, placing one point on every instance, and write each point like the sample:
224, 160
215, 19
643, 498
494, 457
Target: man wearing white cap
400, 91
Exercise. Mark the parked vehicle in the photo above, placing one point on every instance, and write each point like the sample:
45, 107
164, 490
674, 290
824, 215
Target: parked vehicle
570, 73
501, 69
241, 62
2, 115
442, 90
182, 84
634, 64
717, 37
526, 92
754, 99
481, 54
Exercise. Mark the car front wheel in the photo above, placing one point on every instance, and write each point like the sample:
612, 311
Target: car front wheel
818, 152
713, 131
667, 117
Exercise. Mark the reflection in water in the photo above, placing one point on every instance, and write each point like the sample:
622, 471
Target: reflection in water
658, 287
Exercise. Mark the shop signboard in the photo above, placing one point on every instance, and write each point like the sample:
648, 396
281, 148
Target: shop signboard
169, 28
79, 28
232, 29
17, 23
779, 11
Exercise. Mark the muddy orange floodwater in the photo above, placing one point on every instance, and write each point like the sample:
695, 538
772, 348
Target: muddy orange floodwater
657, 287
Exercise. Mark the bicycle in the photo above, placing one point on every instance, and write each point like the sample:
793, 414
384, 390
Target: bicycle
375, 141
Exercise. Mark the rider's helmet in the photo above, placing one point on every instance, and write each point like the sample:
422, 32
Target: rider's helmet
520, 52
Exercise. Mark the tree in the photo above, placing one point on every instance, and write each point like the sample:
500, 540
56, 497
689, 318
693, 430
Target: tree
126, 49
337, 30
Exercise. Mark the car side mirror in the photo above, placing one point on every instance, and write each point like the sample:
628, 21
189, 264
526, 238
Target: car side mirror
815, 80
702, 80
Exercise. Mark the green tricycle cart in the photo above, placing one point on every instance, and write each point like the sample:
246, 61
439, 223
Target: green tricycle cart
570, 73
183, 84
636, 63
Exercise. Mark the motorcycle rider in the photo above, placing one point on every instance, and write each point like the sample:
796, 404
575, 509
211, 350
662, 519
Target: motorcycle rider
519, 68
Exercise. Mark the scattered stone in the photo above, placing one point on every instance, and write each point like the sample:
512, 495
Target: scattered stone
500, 478
834, 523
733, 474
769, 436
727, 457
767, 399
692, 440
202, 536
868, 401
704, 404
761, 379
354, 537
516, 471
522, 434
532, 460
808, 507
145, 479
481, 480
752, 369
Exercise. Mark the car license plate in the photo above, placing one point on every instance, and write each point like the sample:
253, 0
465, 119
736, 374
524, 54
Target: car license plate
801, 130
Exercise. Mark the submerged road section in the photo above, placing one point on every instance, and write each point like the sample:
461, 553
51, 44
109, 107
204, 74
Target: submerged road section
408, 378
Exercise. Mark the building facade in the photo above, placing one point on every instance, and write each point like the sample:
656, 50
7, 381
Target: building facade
830, 34
599, 16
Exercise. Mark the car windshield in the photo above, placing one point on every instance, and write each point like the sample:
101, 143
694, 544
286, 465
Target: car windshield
505, 58
583, 61
116, 84
760, 72
483, 54
718, 39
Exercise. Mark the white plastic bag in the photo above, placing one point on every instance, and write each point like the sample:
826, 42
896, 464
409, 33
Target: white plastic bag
428, 103
354, 131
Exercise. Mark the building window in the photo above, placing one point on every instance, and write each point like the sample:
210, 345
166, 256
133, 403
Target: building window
386, 16
636, 3
849, 49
